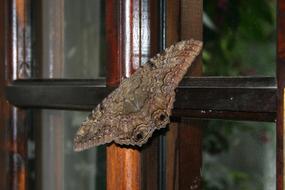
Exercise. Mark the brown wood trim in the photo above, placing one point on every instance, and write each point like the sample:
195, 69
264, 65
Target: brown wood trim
123, 164
123, 168
132, 35
123, 23
112, 19
172, 36
281, 84
150, 155
223, 97
190, 171
16, 64
184, 21
4, 106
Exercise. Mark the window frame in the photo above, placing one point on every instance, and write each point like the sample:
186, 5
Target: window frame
16, 68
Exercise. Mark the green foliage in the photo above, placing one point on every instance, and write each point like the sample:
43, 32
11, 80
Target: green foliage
239, 37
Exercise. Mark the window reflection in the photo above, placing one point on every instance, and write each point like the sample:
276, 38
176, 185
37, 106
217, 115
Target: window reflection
72, 47
62, 168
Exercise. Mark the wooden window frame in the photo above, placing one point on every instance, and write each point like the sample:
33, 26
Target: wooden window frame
16, 89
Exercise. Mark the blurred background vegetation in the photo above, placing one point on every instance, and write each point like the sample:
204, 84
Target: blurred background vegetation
240, 39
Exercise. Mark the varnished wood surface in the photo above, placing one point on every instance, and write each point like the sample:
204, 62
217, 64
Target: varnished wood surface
150, 165
172, 36
150, 154
223, 97
123, 168
133, 38
4, 107
281, 84
114, 68
184, 149
125, 37
15, 64
190, 131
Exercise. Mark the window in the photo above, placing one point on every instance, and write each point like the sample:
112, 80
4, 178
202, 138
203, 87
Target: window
70, 46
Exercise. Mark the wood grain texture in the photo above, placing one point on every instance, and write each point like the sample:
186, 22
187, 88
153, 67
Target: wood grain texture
184, 150
280, 102
150, 165
150, 153
112, 25
172, 165
190, 131
123, 164
4, 107
15, 64
172, 35
123, 168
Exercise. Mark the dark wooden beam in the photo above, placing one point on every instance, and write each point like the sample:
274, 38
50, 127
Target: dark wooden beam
202, 97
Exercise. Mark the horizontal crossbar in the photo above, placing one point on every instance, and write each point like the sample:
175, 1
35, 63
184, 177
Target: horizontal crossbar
241, 98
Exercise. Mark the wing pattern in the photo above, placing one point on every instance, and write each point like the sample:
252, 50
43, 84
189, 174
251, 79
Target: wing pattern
142, 103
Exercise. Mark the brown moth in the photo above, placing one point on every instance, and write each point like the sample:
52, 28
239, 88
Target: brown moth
141, 103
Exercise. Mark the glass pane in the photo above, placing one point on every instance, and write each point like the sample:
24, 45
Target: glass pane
73, 39
61, 167
72, 47
239, 155
239, 37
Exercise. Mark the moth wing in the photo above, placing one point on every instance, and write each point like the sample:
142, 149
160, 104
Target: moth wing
149, 92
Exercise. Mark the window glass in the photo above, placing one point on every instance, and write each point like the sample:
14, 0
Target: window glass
61, 167
73, 43
72, 37
240, 39
239, 155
